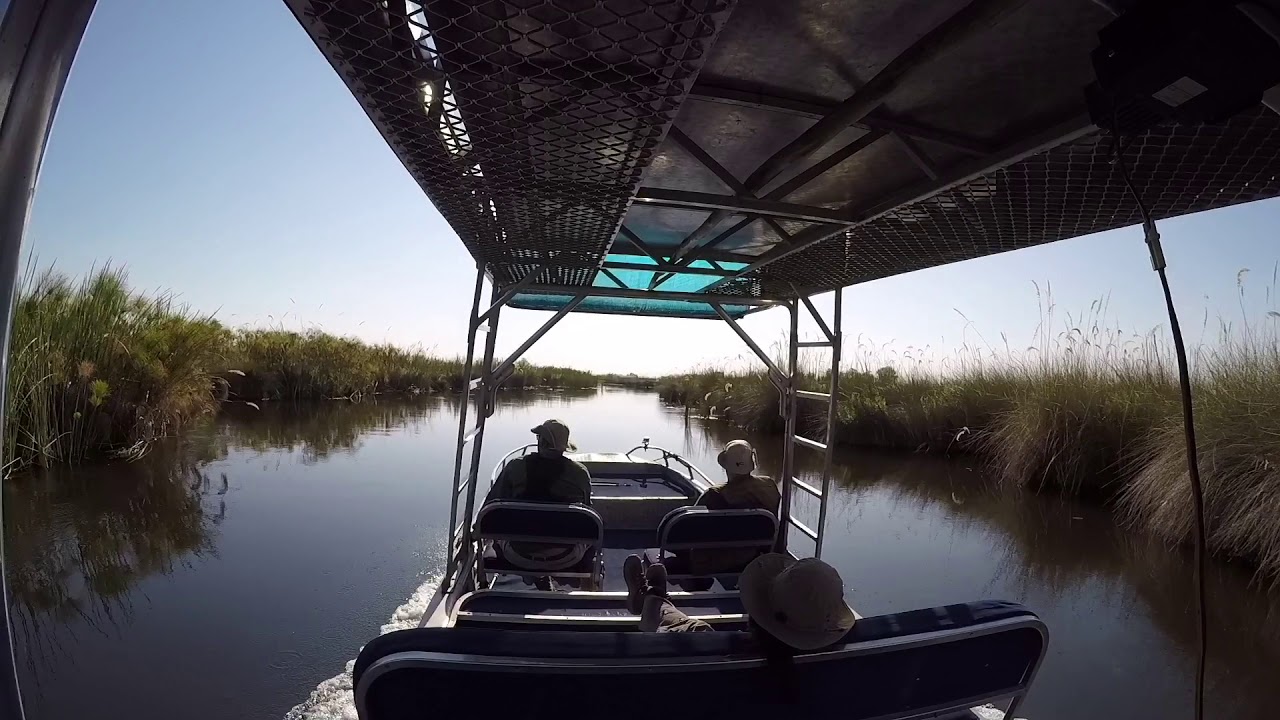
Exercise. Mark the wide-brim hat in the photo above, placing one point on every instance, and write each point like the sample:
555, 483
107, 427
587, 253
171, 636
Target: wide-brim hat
800, 602
738, 457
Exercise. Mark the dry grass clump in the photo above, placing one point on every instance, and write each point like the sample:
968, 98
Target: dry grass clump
1078, 413
1089, 412
1237, 403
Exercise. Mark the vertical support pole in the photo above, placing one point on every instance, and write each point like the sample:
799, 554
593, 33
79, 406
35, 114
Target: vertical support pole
488, 396
789, 424
832, 401
452, 546
38, 41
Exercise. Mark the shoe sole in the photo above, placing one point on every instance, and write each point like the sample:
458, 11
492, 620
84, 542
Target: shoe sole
633, 574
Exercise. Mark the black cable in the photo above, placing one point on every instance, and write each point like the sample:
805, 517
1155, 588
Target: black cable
1188, 422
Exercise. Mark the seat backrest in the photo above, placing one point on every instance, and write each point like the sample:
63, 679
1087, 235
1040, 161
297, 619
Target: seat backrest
931, 662
698, 527
517, 521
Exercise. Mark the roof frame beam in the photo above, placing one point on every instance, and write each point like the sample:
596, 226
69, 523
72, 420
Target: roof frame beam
935, 43
632, 294
815, 170
641, 245
609, 274
792, 104
624, 246
692, 241
975, 15
917, 155
740, 204
854, 109
668, 268
1072, 128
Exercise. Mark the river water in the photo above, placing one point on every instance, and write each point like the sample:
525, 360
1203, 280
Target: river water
234, 573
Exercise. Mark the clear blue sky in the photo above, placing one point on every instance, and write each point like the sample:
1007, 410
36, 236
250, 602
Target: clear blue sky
209, 147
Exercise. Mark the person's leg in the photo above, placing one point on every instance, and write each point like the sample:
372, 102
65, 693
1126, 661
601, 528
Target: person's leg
659, 614
633, 575
651, 615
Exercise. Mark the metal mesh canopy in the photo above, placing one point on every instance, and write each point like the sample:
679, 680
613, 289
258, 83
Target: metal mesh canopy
660, 154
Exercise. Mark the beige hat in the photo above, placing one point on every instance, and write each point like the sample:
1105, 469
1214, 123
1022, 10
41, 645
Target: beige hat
738, 457
553, 435
800, 602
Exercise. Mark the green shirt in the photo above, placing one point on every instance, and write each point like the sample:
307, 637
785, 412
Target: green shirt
569, 483
533, 478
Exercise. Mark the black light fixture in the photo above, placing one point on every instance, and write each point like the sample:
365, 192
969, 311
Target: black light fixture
1195, 61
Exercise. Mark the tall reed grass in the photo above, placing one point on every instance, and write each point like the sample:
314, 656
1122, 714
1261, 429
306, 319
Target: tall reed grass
96, 367
1087, 411
99, 369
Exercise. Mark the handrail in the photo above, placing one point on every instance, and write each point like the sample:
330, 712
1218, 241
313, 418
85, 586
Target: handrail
667, 455
497, 469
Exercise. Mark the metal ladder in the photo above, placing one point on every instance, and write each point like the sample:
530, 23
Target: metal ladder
786, 383
793, 438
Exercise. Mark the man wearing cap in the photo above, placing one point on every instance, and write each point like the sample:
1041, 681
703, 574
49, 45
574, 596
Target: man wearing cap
790, 604
544, 476
743, 490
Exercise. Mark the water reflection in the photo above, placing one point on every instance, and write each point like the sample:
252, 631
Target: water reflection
77, 542
206, 550
1118, 603
317, 431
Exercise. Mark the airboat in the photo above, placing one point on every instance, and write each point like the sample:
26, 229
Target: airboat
711, 159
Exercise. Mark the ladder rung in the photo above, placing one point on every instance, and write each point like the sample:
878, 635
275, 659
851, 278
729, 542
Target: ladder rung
813, 395
803, 528
461, 487
809, 443
475, 383
806, 487
814, 343
471, 435
483, 327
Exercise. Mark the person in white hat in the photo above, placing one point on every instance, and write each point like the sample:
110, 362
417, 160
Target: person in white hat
743, 490
544, 476
792, 605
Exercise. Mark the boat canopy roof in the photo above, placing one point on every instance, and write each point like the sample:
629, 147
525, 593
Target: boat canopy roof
663, 157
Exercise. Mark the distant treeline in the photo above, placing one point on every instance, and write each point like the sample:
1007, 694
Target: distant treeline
632, 381
97, 368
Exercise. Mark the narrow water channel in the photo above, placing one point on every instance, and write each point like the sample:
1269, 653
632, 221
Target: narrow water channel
235, 570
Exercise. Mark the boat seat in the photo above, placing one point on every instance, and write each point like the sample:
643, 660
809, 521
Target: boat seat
585, 611
936, 662
699, 528
550, 523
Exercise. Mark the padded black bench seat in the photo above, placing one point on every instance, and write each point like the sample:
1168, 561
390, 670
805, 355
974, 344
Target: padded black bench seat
589, 604
937, 660
584, 612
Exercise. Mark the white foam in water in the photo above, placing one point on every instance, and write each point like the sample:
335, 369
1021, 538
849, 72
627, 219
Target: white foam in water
333, 699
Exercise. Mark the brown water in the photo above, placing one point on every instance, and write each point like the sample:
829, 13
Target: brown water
230, 573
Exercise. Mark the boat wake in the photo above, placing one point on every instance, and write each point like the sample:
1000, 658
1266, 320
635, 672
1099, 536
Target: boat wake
333, 699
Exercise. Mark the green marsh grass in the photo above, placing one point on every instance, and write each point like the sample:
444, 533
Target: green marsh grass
1086, 411
97, 369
